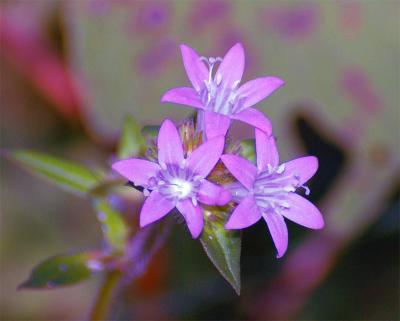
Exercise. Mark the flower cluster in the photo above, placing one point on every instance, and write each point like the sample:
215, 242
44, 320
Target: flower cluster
181, 176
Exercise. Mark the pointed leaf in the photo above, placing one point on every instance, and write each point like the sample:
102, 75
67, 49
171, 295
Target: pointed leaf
114, 227
131, 141
66, 174
63, 270
222, 247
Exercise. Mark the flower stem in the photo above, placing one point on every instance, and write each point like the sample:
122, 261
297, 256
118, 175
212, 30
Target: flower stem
103, 300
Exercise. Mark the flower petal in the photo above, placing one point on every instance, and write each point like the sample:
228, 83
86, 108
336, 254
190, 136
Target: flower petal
193, 216
245, 214
255, 118
244, 171
266, 150
203, 159
184, 96
303, 212
155, 207
212, 194
278, 229
258, 89
195, 68
216, 124
232, 66
139, 171
302, 168
170, 150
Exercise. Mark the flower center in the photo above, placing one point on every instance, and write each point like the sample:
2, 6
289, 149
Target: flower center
272, 185
176, 183
216, 96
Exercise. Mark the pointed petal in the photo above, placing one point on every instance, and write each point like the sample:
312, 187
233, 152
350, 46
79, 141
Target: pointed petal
303, 212
155, 207
266, 150
302, 168
195, 68
232, 66
139, 171
255, 118
257, 89
216, 124
278, 229
245, 214
184, 96
193, 216
212, 194
244, 171
203, 159
170, 150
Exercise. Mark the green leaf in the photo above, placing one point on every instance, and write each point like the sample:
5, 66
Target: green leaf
62, 270
150, 132
114, 228
248, 149
131, 142
222, 247
66, 174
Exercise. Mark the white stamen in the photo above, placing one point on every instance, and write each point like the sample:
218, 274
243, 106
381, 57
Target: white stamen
281, 169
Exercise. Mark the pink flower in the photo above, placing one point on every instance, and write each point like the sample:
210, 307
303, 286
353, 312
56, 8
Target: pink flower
176, 181
219, 95
268, 191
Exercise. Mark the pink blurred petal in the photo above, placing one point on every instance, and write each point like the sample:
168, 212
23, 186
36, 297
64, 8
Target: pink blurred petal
266, 150
193, 216
195, 68
278, 229
203, 159
232, 66
244, 171
216, 124
184, 96
170, 150
303, 168
303, 212
244, 215
257, 89
255, 118
155, 207
212, 194
139, 171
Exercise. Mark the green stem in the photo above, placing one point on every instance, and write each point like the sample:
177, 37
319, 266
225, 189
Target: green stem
102, 303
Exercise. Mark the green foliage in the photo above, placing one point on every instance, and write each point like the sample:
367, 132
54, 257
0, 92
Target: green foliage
222, 247
248, 149
66, 174
150, 132
62, 270
131, 142
114, 228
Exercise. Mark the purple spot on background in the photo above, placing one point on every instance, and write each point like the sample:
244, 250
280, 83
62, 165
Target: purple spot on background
356, 85
151, 16
156, 58
204, 13
292, 21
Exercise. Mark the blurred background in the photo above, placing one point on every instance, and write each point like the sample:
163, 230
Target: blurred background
72, 70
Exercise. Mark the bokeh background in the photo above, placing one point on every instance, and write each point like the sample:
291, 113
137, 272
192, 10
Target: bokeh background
72, 70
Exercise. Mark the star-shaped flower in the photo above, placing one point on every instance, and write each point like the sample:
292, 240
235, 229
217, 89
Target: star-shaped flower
268, 191
219, 94
176, 181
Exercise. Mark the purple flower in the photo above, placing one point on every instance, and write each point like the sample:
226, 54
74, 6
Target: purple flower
219, 95
268, 191
176, 181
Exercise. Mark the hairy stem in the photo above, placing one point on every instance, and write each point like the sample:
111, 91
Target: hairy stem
103, 300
